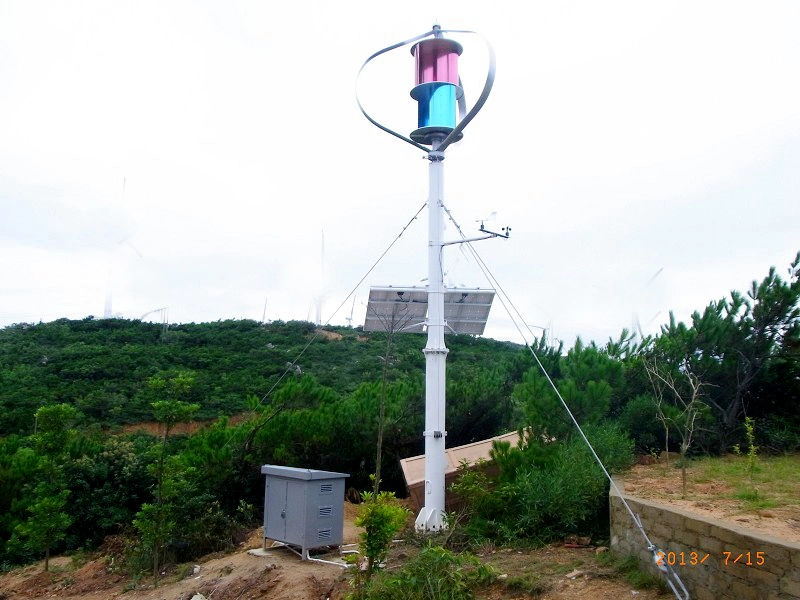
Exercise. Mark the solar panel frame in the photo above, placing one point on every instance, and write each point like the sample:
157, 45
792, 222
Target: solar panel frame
404, 309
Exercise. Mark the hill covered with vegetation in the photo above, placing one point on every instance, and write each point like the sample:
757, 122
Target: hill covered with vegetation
289, 393
109, 369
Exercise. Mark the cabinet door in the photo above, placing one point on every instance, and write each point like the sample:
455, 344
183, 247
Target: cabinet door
275, 509
295, 512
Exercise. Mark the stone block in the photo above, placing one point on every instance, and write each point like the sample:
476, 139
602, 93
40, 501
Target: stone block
711, 545
700, 576
777, 579
729, 537
661, 532
671, 519
745, 591
697, 526
795, 559
701, 592
772, 553
763, 579
790, 587
690, 540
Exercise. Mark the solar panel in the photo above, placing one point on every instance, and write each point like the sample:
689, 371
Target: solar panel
404, 309
394, 309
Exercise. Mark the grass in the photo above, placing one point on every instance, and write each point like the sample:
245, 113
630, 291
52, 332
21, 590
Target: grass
772, 482
628, 567
766, 482
528, 583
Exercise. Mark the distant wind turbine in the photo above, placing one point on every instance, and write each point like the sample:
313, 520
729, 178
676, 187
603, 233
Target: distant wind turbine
108, 309
352, 308
636, 324
319, 299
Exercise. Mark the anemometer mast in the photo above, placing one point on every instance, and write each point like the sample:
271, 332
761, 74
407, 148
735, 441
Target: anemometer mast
441, 119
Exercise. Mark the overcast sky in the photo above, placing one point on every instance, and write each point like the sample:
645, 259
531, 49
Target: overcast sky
190, 155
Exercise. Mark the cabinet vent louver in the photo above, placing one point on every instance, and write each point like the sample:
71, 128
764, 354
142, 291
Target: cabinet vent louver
323, 534
325, 488
325, 512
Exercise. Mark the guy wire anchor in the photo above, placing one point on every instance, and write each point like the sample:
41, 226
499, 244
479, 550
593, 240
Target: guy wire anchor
669, 573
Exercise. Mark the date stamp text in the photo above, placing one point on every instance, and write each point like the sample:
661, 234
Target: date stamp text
726, 558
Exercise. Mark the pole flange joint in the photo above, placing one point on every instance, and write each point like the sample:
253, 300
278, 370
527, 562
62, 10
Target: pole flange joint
435, 156
436, 350
434, 434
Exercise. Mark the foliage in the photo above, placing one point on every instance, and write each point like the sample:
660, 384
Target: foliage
53, 428
108, 485
639, 418
566, 494
545, 489
777, 434
737, 345
474, 488
629, 568
589, 379
382, 517
157, 521
47, 523
434, 574
265, 394
752, 449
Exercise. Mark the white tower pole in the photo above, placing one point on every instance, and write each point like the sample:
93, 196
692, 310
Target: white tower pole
431, 517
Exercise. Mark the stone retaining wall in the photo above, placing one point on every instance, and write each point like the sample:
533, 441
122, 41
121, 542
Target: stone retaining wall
699, 547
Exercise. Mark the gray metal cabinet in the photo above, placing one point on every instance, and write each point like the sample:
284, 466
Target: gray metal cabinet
303, 507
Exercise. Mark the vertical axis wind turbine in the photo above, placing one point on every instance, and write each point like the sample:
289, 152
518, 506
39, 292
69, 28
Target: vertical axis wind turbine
438, 92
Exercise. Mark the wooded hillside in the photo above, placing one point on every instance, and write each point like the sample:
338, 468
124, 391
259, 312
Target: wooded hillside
70, 475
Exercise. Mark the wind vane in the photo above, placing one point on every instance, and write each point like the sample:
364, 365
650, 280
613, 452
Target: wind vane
441, 119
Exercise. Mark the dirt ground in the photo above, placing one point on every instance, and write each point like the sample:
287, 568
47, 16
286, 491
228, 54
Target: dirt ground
711, 499
565, 572
557, 572
239, 575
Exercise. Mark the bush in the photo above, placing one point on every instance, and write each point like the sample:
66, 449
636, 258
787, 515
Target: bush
639, 418
434, 574
779, 435
558, 492
382, 517
569, 495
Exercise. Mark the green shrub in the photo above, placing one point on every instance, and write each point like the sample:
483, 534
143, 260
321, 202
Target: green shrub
434, 574
381, 516
777, 434
549, 494
639, 418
